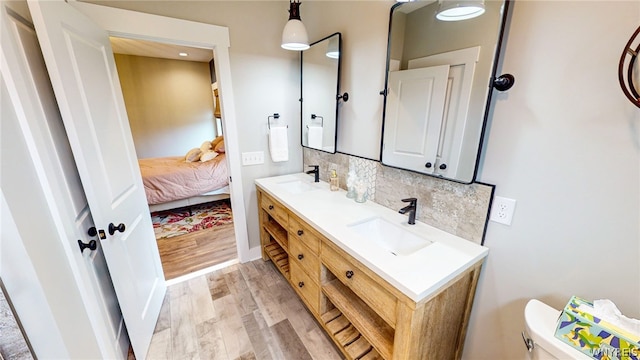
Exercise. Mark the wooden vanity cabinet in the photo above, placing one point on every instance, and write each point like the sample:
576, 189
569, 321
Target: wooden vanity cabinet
366, 317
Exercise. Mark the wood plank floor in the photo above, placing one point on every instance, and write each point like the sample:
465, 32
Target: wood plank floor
245, 311
184, 254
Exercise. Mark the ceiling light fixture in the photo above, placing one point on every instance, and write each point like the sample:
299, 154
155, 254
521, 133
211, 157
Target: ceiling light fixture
183, 54
455, 10
294, 36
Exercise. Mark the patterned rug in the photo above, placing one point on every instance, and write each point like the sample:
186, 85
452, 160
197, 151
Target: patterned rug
170, 223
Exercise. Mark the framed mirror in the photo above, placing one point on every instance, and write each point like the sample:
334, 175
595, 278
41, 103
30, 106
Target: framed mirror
438, 87
320, 86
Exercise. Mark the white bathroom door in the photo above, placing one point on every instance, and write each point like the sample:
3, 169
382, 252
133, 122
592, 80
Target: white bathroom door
82, 69
41, 124
413, 118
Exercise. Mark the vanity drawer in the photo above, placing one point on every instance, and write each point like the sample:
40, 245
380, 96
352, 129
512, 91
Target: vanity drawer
304, 286
367, 288
302, 232
300, 254
275, 209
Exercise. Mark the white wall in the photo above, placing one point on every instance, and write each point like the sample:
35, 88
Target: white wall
564, 142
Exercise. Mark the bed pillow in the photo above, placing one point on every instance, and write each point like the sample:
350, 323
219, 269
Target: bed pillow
193, 155
216, 141
206, 146
219, 148
208, 155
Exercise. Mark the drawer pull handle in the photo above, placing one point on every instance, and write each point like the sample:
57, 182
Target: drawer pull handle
270, 207
300, 284
349, 274
300, 256
300, 232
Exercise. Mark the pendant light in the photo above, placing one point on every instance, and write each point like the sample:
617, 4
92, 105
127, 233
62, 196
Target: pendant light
333, 49
294, 36
455, 10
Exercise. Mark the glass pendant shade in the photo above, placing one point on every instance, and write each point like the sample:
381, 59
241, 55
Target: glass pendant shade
333, 51
451, 10
294, 35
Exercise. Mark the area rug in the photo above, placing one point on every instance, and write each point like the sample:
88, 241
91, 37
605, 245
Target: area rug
170, 223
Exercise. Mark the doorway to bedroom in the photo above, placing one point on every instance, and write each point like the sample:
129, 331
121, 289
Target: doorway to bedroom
172, 102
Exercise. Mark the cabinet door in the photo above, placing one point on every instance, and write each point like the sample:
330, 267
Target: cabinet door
414, 116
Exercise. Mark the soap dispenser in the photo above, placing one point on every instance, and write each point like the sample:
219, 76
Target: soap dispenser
333, 181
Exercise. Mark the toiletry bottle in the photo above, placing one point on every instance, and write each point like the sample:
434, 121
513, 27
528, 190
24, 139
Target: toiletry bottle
333, 181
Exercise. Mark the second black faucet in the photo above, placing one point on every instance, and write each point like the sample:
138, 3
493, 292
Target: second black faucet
411, 208
315, 172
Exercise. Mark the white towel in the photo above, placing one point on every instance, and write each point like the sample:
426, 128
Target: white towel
315, 137
278, 144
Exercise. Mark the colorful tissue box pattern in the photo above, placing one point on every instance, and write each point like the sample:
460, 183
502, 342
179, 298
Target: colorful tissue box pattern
594, 337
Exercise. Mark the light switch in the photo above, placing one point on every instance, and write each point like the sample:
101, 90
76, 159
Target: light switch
252, 158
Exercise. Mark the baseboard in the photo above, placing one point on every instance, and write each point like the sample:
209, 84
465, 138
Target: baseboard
254, 253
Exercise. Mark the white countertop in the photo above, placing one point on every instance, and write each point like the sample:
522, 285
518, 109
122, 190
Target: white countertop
330, 212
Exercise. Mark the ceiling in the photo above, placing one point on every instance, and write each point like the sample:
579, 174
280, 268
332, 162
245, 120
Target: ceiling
159, 50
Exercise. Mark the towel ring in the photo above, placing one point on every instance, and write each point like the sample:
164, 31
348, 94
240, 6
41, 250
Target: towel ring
274, 116
314, 116
629, 88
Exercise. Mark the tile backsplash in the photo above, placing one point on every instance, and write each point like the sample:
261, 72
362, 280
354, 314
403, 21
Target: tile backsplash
460, 209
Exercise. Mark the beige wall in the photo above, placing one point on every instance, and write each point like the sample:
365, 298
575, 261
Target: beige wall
564, 142
169, 104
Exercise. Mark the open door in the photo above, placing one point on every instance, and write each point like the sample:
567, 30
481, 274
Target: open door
82, 70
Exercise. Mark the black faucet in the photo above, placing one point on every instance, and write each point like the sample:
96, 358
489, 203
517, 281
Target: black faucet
315, 172
411, 208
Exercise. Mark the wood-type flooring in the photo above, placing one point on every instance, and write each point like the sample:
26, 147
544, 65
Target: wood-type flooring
244, 311
184, 254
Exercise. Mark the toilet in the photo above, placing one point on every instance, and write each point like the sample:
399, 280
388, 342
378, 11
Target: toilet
540, 322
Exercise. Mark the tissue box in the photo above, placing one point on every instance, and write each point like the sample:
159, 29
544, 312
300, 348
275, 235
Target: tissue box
594, 337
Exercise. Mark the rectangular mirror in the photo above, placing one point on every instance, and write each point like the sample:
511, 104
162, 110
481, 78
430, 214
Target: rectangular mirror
320, 86
438, 87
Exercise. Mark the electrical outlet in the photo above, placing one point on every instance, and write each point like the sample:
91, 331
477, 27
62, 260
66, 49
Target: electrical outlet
502, 210
252, 158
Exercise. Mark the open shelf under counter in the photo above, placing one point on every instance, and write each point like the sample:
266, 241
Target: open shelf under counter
277, 232
279, 257
362, 317
353, 344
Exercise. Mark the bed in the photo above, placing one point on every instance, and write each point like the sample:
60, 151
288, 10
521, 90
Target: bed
171, 182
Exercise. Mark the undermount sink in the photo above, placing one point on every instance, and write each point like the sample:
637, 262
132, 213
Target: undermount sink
297, 186
389, 236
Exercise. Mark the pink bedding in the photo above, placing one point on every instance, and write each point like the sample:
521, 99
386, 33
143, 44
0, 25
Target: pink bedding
171, 178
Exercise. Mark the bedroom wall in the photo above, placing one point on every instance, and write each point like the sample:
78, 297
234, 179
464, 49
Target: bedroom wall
169, 104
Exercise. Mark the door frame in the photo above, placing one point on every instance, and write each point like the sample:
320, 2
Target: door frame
137, 25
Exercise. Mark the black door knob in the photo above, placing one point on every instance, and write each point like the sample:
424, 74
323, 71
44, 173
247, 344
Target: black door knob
270, 207
92, 231
349, 274
91, 245
428, 165
113, 228
300, 284
300, 256
300, 232
443, 166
